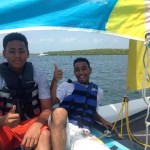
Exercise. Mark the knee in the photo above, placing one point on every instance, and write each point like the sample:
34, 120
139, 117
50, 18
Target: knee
45, 134
59, 117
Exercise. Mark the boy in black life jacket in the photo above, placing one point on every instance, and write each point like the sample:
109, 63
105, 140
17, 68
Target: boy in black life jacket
25, 101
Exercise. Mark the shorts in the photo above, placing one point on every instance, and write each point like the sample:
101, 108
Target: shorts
10, 138
74, 133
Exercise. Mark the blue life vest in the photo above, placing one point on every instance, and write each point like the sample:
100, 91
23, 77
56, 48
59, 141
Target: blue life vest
81, 104
22, 92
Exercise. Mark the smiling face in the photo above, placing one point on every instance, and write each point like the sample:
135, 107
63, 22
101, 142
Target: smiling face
16, 54
82, 72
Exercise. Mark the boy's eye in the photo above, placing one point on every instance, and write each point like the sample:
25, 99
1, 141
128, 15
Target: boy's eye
11, 51
22, 51
77, 70
84, 68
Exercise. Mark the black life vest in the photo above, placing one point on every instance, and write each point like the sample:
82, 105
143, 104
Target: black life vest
81, 104
22, 92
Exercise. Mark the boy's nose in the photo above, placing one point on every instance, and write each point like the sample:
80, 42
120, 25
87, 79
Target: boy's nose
17, 54
81, 72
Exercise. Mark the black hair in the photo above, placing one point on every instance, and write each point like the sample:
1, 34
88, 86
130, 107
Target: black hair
14, 36
81, 59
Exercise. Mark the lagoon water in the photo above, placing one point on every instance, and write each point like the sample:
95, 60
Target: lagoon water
108, 71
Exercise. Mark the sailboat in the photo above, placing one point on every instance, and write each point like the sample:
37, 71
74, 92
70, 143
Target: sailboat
42, 54
129, 19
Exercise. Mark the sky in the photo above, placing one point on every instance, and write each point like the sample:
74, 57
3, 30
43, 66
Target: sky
53, 40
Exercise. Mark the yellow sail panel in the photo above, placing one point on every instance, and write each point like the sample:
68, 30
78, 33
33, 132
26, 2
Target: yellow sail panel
128, 19
137, 61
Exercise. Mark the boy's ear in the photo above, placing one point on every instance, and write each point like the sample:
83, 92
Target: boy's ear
28, 53
90, 70
4, 53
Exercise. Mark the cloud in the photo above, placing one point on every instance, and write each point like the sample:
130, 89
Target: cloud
46, 40
96, 40
68, 40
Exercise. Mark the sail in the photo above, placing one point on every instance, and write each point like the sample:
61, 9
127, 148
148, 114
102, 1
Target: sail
138, 69
126, 18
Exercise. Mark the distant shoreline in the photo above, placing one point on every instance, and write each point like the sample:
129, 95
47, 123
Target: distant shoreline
90, 52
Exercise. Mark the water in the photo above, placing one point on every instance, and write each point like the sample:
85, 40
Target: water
108, 71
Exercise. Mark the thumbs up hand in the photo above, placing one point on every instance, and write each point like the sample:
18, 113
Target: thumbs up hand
12, 119
57, 73
13, 109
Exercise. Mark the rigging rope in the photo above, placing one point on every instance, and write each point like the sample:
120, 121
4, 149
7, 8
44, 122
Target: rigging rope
120, 135
145, 80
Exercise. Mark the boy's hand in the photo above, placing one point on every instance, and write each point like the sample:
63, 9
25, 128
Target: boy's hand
57, 73
31, 137
108, 125
12, 119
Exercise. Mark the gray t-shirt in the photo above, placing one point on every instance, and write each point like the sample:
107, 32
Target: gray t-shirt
42, 81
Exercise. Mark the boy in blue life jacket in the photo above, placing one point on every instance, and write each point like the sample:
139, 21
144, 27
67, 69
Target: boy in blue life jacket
25, 102
80, 98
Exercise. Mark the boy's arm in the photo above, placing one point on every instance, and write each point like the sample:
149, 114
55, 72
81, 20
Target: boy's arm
53, 89
34, 131
57, 76
104, 122
45, 112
